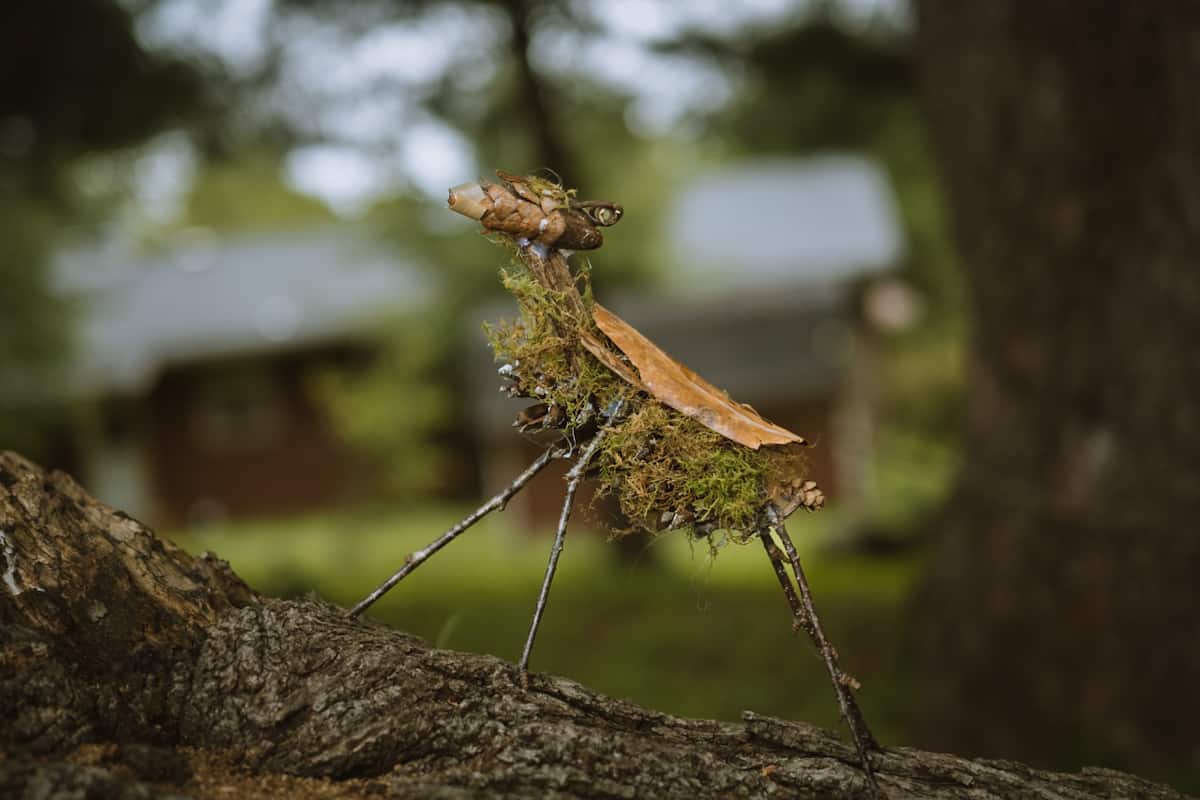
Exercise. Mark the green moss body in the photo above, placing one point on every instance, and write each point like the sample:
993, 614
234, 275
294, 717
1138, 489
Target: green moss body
665, 469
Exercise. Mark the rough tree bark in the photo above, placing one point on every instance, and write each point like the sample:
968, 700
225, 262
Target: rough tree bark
1062, 596
127, 666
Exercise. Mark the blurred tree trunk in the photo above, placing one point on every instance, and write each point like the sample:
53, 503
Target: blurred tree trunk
1061, 612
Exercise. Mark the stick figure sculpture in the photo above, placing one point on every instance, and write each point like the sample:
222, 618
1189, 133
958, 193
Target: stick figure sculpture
675, 451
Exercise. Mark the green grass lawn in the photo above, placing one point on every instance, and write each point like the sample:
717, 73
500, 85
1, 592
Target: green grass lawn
674, 630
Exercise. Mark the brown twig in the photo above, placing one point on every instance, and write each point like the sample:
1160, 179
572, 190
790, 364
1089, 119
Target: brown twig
804, 614
574, 478
415, 559
778, 562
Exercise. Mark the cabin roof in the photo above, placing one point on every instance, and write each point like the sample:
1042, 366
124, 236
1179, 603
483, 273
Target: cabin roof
772, 223
214, 297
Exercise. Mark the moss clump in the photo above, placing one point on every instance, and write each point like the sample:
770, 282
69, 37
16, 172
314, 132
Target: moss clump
546, 359
665, 469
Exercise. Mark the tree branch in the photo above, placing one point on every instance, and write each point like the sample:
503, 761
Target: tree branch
113, 637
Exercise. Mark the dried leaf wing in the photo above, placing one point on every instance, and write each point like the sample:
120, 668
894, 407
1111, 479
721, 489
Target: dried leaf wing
673, 384
594, 345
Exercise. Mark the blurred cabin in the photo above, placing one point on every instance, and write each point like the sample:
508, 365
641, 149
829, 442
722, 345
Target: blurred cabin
201, 360
773, 263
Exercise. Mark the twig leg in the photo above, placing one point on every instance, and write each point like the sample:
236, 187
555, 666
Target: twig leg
574, 478
805, 616
419, 557
778, 563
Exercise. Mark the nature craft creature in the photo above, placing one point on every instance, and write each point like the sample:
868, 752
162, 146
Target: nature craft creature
674, 450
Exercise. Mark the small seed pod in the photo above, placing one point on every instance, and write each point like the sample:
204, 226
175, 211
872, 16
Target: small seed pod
795, 494
470, 200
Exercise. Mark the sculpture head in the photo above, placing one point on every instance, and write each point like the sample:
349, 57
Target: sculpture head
534, 210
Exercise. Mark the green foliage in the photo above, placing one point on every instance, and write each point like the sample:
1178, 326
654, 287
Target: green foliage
396, 411
33, 320
34, 331
246, 193
390, 412
902, 144
916, 448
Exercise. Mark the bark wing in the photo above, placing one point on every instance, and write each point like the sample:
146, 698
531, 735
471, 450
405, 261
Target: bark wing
683, 390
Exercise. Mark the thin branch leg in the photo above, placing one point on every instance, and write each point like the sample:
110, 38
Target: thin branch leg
419, 557
842, 681
864, 741
574, 478
799, 618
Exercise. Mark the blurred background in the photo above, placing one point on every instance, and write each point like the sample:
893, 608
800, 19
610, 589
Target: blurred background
235, 306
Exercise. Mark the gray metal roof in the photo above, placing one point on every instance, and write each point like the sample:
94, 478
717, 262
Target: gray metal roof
772, 223
213, 297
